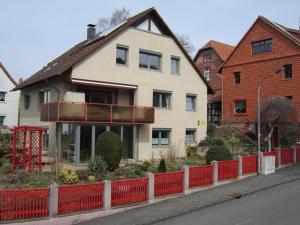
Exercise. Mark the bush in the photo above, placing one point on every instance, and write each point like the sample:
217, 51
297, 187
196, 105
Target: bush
210, 130
2, 161
145, 166
97, 165
6, 167
212, 141
217, 153
110, 147
162, 166
68, 175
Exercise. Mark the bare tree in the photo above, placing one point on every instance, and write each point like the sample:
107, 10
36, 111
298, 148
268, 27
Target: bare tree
117, 16
277, 111
186, 43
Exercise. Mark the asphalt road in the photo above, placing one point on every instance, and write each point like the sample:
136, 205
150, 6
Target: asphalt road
277, 206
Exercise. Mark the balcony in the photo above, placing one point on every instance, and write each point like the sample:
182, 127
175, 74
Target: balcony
96, 113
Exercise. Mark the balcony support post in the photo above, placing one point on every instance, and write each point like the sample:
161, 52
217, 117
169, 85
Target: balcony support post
77, 145
93, 141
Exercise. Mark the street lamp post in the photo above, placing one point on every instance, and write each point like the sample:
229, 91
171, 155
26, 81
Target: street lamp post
258, 114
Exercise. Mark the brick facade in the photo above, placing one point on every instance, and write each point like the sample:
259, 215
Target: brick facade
253, 67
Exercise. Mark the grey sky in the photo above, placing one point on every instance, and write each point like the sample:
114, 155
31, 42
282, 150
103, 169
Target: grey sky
33, 32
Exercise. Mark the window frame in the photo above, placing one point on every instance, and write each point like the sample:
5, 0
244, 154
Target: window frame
234, 106
194, 130
207, 73
122, 47
27, 100
178, 65
160, 93
150, 53
42, 96
261, 46
289, 68
5, 99
235, 74
194, 96
160, 130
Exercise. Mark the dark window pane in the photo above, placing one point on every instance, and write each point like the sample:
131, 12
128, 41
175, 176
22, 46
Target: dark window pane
155, 137
174, 66
154, 62
143, 60
165, 98
240, 106
156, 99
237, 77
121, 56
288, 71
2, 96
2, 120
190, 103
165, 140
262, 46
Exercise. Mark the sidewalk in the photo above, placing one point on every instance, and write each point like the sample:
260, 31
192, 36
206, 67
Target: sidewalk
163, 209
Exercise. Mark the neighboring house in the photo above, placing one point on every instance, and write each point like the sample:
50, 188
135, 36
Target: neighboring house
208, 59
265, 48
9, 101
134, 79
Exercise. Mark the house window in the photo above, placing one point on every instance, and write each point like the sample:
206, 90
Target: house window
237, 77
162, 99
45, 96
207, 73
207, 57
149, 60
122, 54
149, 25
288, 72
174, 65
289, 97
2, 96
190, 135
262, 46
26, 101
45, 140
2, 120
240, 106
161, 137
190, 102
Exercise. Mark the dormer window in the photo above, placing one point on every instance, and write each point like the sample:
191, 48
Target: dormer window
149, 25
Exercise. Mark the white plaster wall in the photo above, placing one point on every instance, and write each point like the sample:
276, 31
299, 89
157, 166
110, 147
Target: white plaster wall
9, 108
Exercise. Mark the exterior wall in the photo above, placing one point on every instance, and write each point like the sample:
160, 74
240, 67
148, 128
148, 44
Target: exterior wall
9, 108
253, 68
101, 66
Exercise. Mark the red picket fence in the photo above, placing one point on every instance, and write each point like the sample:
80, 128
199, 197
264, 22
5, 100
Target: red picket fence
250, 164
287, 155
272, 153
168, 183
80, 197
298, 154
227, 169
129, 191
200, 176
24, 203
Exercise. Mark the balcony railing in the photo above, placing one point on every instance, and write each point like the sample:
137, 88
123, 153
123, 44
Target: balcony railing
96, 113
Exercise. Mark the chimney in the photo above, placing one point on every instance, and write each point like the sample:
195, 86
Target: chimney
20, 80
91, 31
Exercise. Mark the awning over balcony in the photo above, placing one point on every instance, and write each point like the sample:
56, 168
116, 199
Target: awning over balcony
103, 84
96, 113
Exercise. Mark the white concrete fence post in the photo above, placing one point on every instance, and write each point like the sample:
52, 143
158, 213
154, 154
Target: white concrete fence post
186, 178
107, 194
279, 157
215, 171
53, 199
240, 167
150, 187
294, 154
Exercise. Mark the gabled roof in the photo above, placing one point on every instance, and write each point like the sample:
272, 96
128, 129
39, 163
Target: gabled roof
8, 74
66, 61
222, 49
291, 34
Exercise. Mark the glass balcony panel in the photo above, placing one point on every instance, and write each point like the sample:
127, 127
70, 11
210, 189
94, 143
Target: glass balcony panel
98, 113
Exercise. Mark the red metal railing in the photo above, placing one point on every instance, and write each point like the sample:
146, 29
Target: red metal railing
298, 154
24, 203
96, 113
250, 164
168, 183
80, 197
272, 153
227, 169
287, 156
200, 176
129, 191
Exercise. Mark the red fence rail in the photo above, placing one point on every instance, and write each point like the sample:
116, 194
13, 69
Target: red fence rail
250, 164
200, 176
24, 203
80, 197
168, 183
272, 153
129, 191
227, 169
287, 155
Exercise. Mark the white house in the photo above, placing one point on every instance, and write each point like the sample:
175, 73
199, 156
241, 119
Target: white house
9, 101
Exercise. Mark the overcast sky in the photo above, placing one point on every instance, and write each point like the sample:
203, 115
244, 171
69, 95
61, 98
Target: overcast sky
33, 32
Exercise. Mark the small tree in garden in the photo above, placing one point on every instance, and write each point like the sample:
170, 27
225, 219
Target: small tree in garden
110, 147
217, 152
279, 112
162, 166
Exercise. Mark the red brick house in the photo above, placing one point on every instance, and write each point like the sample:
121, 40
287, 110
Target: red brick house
208, 60
265, 47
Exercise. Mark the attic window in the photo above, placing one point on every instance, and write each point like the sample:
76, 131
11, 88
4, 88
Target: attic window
149, 25
262, 46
